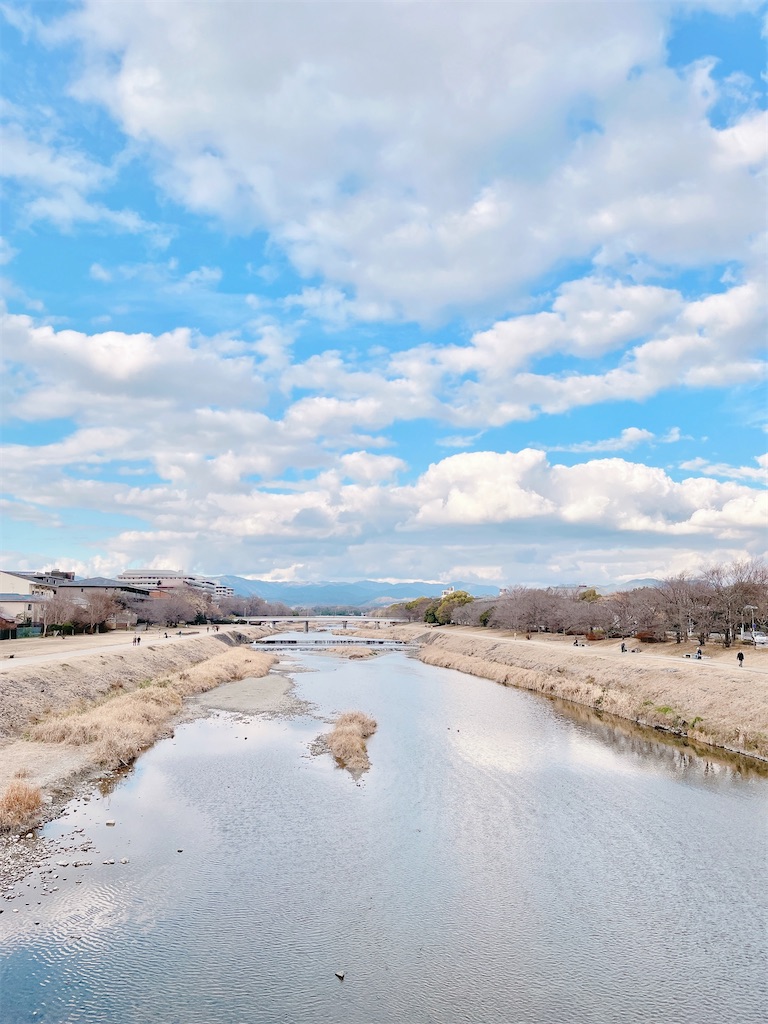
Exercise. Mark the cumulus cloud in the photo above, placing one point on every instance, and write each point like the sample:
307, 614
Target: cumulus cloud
527, 507
431, 186
567, 240
69, 369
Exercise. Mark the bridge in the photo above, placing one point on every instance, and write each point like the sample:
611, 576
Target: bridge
331, 621
276, 642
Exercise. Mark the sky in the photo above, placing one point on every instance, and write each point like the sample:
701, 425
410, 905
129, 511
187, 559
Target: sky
404, 291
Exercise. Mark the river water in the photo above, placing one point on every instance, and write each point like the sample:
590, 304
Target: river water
505, 860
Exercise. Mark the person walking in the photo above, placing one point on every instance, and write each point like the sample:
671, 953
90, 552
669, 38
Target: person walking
740, 658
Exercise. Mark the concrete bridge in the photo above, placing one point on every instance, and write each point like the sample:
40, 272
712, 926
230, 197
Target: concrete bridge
331, 621
276, 642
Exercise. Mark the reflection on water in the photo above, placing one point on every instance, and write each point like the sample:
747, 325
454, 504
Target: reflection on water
507, 858
639, 742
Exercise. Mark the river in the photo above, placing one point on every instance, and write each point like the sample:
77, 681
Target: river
505, 860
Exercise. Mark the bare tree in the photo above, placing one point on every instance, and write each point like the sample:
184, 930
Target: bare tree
98, 607
735, 586
60, 609
171, 610
677, 599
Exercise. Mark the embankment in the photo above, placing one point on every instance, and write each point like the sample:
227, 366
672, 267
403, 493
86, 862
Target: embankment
30, 693
709, 702
63, 722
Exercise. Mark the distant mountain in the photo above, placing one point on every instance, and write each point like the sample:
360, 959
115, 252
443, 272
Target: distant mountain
361, 594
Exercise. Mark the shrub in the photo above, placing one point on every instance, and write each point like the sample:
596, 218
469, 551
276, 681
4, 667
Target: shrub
645, 636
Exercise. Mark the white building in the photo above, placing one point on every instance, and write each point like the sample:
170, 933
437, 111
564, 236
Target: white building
17, 582
166, 579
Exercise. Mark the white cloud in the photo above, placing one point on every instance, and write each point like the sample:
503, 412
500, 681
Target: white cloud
204, 276
99, 273
564, 518
7, 252
57, 183
365, 468
74, 370
713, 342
449, 166
412, 161
629, 438
757, 473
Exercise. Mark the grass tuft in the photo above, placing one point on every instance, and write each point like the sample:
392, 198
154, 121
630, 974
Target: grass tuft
347, 741
20, 804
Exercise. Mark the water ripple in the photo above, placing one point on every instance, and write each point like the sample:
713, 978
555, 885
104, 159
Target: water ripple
500, 863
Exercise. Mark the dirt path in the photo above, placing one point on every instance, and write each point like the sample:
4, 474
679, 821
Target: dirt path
39, 651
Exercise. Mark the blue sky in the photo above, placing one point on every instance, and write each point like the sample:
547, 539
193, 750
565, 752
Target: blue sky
391, 290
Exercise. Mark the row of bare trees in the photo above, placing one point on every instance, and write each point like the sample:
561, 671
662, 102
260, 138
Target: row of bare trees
90, 613
252, 607
95, 610
722, 600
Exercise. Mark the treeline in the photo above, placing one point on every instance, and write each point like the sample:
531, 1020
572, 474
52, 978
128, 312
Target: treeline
721, 600
252, 606
97, 611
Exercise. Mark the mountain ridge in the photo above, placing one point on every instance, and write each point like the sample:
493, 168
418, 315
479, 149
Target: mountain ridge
371, 593
357, 594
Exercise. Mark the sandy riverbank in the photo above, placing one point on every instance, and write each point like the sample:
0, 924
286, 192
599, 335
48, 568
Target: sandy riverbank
710, 701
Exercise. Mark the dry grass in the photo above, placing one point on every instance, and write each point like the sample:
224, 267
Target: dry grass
30, 693
347, 740
118, 728
352, 653
20, 804
715, 706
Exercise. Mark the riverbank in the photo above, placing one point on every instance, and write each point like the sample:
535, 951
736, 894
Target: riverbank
711, 701
72, 712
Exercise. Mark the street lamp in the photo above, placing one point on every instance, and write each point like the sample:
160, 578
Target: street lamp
748, 608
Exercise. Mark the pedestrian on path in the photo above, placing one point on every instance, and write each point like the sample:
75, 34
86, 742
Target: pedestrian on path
740, 658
